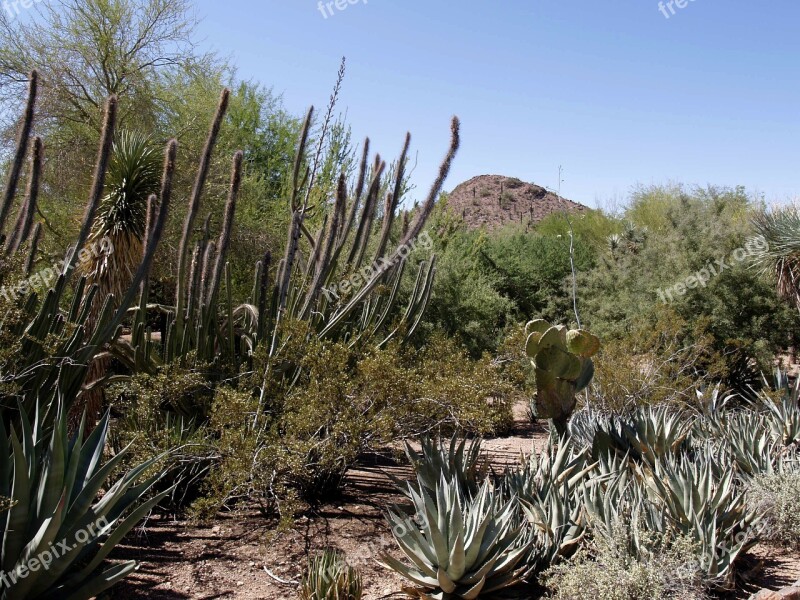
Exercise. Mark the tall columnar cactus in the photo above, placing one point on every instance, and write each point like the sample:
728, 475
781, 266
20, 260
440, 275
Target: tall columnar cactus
562, 360
55, 331
342, 285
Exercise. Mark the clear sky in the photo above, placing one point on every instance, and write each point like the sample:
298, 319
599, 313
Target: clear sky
614, 91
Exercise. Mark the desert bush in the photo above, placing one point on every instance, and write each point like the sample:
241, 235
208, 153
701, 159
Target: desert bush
777, 496
656, 363
737, 313
294, 446
606, 569
166, 412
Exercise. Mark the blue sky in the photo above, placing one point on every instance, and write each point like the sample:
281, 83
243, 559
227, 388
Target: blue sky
614, 91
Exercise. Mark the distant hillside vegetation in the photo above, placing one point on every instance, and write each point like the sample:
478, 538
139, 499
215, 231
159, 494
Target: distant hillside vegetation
492, 201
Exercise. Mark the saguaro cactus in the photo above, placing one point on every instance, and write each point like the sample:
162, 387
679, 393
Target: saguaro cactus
563, 362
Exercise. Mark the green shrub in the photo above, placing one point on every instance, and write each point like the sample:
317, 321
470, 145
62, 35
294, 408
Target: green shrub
737, 310
654, 364
294, 446
778, 497
606, 570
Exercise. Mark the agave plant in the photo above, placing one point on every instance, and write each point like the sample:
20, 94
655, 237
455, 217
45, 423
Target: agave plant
548, 487
457, 462
58, 534
783, 417
328, 577
620, 501
645, 434
700, 499
463, 548
560, 464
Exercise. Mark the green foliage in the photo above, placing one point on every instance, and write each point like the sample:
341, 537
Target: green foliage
607, 569
737, 311
466, 300
328, 577
662, 360
299, 445
778, 497
490, 280
533, 270
591, 229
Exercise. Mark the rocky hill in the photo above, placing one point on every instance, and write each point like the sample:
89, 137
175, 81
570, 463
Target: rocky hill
492, 201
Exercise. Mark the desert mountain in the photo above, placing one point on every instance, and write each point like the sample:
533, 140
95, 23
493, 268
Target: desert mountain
492, 201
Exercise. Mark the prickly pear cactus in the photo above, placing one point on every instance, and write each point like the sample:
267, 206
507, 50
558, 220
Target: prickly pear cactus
562, 359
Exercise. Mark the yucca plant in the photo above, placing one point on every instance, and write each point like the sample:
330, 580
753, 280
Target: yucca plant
134, 174
59, 533
779, 229
461, 547
328, 577
118, 231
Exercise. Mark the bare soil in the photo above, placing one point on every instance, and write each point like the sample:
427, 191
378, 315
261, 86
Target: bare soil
241, 556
